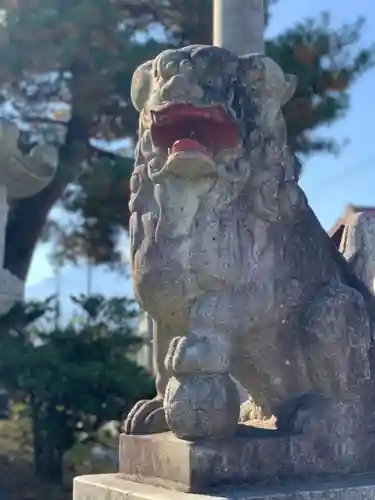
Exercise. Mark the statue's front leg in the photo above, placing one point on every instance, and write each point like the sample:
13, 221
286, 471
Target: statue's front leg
147, 416
201, 398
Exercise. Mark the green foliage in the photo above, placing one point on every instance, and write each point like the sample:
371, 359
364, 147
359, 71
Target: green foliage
72, 378
99, 43
326, 63
103, 186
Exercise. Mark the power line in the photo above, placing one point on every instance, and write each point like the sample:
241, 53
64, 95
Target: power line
335, 180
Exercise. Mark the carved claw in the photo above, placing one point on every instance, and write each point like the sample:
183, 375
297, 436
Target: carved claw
250, 411
186, 355
146, 417
196, 355
176, 356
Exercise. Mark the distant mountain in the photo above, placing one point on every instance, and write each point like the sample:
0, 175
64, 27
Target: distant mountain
79, 280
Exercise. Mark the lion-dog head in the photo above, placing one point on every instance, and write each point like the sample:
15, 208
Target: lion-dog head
211, 128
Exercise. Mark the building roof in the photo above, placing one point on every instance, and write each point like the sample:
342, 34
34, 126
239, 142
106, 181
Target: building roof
336, 231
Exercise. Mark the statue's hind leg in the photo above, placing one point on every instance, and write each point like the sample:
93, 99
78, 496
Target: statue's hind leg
269, 363
336, 345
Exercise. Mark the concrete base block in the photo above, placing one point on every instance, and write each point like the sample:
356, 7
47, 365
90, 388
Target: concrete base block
113, 487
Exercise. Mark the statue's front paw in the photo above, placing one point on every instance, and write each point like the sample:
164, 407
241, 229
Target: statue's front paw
197, 355
146, 417
202, 406
177, 358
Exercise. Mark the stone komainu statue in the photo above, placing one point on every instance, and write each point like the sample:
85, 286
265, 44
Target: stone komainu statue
232, 264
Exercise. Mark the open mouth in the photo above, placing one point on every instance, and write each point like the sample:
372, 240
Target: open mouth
181, 128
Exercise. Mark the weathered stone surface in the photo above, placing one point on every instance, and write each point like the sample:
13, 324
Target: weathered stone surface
24, 175
253, 456
113, 487
202, 406
235, 269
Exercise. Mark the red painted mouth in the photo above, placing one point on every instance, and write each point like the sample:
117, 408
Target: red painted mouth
180, 127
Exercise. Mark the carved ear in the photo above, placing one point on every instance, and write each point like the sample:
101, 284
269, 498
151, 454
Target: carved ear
262, 70
291, 82
141, 85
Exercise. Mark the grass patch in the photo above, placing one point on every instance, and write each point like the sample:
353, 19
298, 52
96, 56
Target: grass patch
17, 478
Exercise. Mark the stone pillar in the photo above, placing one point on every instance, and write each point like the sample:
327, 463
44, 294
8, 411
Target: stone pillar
239, 25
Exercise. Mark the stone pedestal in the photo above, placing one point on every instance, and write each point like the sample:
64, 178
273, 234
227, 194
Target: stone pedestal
113, 487
254, 456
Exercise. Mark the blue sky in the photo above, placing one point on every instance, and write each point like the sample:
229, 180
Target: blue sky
329, 182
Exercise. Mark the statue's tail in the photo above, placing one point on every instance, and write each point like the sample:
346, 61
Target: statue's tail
358, 247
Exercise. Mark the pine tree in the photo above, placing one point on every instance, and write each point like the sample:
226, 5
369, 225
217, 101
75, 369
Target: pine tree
94, 45
71, 378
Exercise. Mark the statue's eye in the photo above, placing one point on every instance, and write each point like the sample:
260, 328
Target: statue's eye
210, 84
172, 68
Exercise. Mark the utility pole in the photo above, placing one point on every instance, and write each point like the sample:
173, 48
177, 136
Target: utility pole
58, 294
89, 277
239, 25
91, 221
